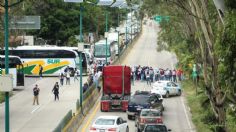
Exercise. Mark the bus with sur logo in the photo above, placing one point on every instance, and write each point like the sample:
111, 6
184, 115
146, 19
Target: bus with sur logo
53, 59
15, 68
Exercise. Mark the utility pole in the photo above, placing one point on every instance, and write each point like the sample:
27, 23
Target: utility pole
6, 31
80, 56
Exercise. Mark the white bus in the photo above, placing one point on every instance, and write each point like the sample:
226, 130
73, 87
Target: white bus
53, 59
15, 68
100, 51
85, 58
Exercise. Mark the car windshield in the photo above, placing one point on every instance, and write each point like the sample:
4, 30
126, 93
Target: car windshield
174, 85
150, 113
139, 99
103, 121
155, 128
158, 84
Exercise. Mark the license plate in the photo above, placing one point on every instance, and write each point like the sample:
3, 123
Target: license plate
138, 109
116, 102
102, 130
151, 120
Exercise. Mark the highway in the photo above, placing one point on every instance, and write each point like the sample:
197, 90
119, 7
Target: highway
176, 115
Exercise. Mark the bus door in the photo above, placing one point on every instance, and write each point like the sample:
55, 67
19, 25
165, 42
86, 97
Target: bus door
20, 75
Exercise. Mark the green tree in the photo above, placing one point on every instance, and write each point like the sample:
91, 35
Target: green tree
196, 34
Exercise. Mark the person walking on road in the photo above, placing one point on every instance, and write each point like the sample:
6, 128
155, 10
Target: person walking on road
77, 74
67, 78
40, 71
55, 91
132, 78
174, 75
62, 79
148, 78
85, 87
36, 94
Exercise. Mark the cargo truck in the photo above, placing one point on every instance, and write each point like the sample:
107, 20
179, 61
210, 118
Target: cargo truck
116, 88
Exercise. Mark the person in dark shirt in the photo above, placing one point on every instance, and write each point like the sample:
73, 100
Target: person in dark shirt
36, 94
55, 91
85, 87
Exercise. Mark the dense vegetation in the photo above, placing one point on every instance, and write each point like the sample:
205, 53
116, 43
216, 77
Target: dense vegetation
60, 21
198, 35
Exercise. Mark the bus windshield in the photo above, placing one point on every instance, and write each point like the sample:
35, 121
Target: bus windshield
13, 62
100, 50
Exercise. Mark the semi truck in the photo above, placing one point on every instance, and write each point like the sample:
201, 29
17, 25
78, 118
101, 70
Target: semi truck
116, 88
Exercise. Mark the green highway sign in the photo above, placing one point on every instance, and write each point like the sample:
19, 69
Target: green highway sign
161, 18
158, 18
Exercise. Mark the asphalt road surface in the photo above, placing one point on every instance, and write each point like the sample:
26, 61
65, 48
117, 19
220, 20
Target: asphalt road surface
25, 117
176, 115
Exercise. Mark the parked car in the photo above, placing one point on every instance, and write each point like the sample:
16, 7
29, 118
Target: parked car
109, 124
155, 128
143, 100
147, 116
166, 88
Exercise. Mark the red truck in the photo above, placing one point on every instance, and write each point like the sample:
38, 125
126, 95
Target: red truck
116, 88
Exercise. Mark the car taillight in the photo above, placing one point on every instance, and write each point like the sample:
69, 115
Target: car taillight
159, 120
92, 129
112, 129
142, 120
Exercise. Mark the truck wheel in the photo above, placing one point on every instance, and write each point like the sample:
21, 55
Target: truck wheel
127, 129
167, 94
129, 117
101, 108
179, 93
139, 130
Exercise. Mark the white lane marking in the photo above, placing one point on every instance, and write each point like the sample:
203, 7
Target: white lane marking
35, 109
186, 115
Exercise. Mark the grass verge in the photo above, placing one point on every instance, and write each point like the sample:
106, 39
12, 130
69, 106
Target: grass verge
194, 102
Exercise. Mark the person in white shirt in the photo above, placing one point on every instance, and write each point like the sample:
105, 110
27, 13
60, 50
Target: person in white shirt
77, 74
68, 78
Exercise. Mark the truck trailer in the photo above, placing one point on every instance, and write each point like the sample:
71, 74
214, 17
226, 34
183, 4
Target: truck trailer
116, 88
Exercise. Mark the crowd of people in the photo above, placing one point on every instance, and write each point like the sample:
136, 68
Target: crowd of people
93, 76
138, 73
150, 74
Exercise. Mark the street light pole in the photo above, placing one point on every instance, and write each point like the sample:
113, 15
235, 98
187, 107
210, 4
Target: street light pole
80, 56
126, 29
118, 24
106, 32
7, 114
131, 24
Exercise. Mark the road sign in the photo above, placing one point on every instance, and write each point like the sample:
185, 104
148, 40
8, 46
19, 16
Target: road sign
25, 22
118, 3
167, 18
158, 18
161, 18
105, 2
6, 83
74, 1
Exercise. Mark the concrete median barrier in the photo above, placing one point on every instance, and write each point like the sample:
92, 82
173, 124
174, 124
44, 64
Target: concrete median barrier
64, 122
90, 98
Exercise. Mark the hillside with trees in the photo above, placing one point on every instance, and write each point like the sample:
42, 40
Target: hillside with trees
201, 35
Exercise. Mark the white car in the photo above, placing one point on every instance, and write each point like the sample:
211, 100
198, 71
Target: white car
109, 124
166, 88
